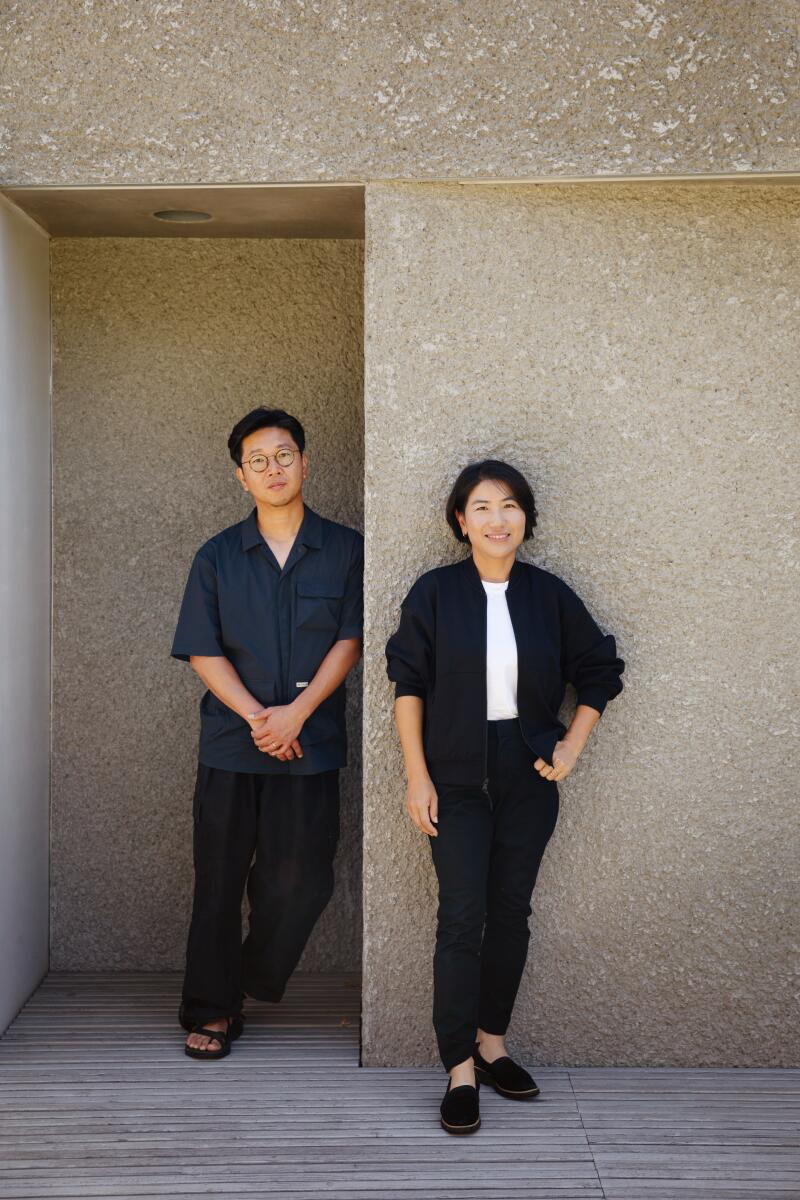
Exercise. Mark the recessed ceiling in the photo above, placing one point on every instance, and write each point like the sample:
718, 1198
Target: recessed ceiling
269, 210
262, 210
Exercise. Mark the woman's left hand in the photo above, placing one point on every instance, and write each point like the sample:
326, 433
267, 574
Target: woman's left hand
564, 758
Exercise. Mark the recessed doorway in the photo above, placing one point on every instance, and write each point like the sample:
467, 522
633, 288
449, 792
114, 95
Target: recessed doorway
163, 334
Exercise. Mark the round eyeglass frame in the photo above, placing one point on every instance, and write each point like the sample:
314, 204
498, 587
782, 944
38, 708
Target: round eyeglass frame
283, 457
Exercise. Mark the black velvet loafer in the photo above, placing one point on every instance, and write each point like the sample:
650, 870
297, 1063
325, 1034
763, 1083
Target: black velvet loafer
460, 1108
505, 1076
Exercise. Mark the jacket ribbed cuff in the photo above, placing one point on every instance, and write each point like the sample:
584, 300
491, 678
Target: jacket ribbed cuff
595, 697
408, 689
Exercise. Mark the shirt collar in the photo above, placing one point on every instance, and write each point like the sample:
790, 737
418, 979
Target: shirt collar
309, 533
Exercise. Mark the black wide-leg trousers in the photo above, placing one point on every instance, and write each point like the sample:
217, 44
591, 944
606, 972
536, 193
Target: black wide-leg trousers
487, 856
291, 824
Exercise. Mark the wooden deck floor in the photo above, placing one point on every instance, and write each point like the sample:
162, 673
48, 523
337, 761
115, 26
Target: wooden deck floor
97, 1099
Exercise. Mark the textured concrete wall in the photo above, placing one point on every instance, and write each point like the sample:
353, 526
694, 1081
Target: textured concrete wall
24, 607
636, 353
137, 91
159, 347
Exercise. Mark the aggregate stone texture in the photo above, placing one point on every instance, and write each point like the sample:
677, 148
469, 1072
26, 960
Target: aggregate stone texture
134, 91
635, 352
159, 347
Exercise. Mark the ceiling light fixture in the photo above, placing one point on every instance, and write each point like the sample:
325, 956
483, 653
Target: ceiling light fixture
181, 215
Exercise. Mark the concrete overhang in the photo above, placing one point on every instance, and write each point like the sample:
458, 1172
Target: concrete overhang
270, 210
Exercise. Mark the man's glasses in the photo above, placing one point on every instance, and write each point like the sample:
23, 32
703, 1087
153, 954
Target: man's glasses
259, 462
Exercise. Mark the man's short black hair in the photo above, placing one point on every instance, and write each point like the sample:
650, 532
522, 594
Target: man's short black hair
264, 418
490, 468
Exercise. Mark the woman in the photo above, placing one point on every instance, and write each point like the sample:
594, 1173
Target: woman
479, 662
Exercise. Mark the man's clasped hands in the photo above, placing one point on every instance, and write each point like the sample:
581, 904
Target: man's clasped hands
275, 730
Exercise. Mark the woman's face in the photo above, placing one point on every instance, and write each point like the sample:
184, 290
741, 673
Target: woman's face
492, 519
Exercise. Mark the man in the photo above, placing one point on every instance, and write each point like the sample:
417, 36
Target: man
271, 621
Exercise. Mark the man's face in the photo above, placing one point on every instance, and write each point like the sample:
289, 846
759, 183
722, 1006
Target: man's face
276, 483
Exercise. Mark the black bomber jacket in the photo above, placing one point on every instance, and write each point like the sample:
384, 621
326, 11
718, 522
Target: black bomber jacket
438, 653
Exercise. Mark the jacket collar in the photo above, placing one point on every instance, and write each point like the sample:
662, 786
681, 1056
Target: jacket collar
472, 573
309, 533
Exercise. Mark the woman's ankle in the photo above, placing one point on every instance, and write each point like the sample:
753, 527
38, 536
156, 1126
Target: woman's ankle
491, 1045
463, 1072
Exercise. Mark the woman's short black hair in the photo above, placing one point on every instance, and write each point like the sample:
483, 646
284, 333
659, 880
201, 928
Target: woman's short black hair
502, 472
264, 418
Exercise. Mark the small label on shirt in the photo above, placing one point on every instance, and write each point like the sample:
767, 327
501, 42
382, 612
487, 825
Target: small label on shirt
303, 684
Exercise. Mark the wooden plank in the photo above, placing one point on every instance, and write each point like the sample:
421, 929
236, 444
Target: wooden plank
97, 1099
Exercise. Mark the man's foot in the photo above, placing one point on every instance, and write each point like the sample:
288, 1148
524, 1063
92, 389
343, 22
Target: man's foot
187, 1020
197, 1041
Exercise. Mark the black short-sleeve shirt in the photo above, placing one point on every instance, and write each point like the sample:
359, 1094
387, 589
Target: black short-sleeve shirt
275, 626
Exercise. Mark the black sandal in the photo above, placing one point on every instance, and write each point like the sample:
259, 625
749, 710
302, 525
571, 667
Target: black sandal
223, 1036
236, 1026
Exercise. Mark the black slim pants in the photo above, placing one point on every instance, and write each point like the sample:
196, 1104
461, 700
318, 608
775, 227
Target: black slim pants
487, 857
291, 823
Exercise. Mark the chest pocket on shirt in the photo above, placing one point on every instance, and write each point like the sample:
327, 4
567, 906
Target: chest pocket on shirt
319, 605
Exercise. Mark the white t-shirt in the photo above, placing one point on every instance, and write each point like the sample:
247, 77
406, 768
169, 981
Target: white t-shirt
501, 654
